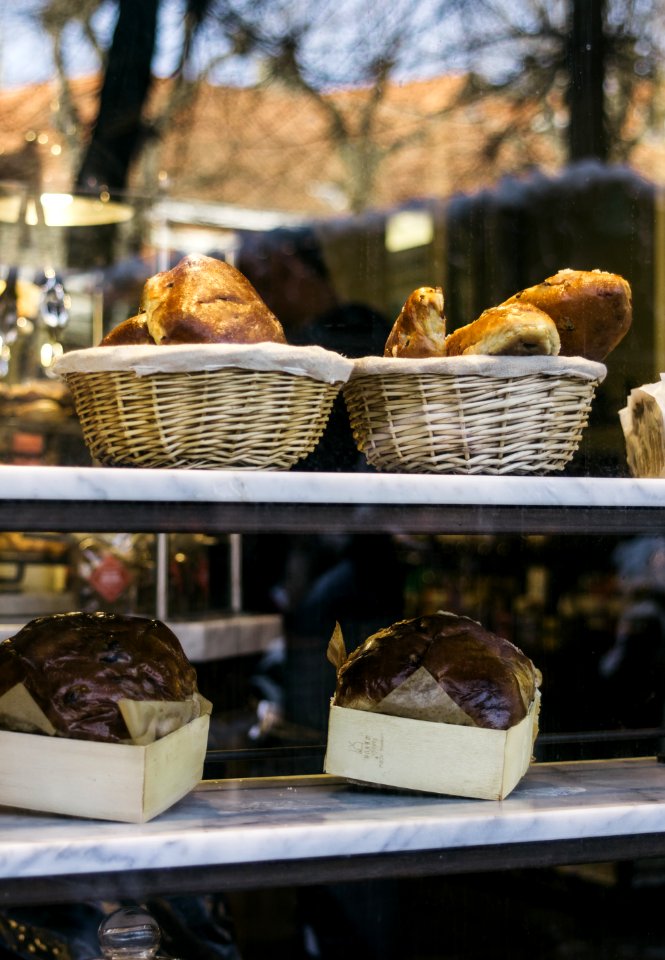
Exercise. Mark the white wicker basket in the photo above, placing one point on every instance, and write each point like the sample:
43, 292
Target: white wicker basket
475, 415
240, 407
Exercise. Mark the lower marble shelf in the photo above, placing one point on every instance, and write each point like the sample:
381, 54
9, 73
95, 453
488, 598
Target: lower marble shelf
283, 831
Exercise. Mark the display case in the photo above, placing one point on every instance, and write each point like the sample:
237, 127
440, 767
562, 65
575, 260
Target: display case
274, 831
341, 156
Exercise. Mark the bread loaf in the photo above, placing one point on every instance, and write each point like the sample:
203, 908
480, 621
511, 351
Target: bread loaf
134, 330
592, 309
444, 663
513, 329
78, 666
420, 328
205, 300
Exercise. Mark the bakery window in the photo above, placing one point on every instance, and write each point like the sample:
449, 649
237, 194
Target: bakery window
318, 319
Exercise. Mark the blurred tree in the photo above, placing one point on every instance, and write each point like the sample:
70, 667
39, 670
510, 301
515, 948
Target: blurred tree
117, 134
593, 67
587, 125
316, 48
581, 75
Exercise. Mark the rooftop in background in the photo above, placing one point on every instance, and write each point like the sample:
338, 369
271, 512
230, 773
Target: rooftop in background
271, 149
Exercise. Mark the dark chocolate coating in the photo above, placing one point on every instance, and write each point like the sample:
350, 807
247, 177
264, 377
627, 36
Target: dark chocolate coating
78, 665
487, 676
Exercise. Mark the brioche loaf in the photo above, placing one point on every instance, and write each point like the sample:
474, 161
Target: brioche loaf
514, 329
205, 300
134, 330
483, 679
77, 666
420, 328
592, 309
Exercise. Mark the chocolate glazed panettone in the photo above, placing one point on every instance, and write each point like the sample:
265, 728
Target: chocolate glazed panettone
441, 666
77, 666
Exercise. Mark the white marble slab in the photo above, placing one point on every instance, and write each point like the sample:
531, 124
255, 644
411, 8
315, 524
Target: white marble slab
259, 821
230, 486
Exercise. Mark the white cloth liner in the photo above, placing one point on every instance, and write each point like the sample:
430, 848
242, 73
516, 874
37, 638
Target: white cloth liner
144, 360
643, 423
482, 366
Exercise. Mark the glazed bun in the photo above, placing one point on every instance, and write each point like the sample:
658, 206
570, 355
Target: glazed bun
592, 310
205, 300
514, 329
78, 666
475, 677
420, 328
134, 330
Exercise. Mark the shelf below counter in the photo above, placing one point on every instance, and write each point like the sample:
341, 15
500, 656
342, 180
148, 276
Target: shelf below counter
292, 831
69, 499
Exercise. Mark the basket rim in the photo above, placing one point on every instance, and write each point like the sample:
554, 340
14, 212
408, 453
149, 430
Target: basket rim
481, 366
146, 359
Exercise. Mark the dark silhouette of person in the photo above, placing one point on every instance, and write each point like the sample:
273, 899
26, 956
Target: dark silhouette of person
315, 580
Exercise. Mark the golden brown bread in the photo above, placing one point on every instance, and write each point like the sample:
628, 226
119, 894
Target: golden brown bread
134, 330
420, 328
487, 677
77, 666
517, 329
205, 300
592, 309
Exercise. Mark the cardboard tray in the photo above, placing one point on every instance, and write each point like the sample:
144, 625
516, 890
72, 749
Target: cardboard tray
103, 781
443, 758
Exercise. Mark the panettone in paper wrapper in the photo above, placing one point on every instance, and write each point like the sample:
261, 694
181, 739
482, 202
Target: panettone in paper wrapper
100, 717
436, 704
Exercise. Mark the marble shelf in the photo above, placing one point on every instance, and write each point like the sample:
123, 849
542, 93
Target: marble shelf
284, 830
275, 831
102, 498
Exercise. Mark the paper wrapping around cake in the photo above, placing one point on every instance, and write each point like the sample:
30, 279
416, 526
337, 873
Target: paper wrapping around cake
418, 738
146, 720
101, 781
420, 697
643, 424
444, 758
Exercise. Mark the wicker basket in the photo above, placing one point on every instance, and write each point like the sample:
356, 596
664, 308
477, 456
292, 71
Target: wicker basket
260, 406
474, 415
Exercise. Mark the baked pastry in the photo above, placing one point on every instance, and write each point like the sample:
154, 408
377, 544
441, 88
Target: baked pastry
205, 300
78, 667
592, 309
38, 400
134, 330
440, 667
420, 328
513, 329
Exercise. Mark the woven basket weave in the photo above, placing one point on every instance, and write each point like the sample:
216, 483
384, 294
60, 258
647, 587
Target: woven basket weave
480, 415
228, 417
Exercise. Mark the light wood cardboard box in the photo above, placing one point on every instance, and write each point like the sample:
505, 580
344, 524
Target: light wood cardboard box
102, 781
443, 758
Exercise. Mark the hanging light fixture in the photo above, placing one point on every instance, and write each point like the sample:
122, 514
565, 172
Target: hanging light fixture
64, 210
